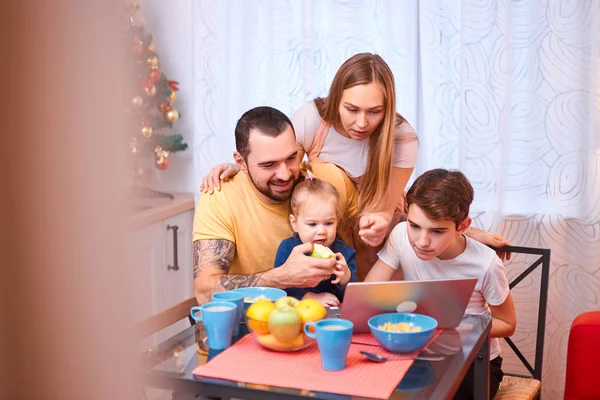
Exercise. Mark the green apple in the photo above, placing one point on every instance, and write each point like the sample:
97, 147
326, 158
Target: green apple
285, 323
286, 301
321, 251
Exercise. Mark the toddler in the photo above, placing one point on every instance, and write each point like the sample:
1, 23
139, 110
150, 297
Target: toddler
315, 212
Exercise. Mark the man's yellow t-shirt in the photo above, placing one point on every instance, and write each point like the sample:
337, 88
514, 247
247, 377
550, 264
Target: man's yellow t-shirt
235, 213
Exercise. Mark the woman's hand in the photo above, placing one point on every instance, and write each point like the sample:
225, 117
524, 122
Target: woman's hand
218, 173
373, 228
490, 239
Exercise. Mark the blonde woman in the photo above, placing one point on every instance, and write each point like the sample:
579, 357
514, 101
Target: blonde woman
355, 139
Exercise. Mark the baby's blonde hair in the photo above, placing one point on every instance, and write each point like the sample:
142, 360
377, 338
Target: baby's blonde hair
313, 187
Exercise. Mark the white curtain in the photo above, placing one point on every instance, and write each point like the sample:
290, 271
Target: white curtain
506, 91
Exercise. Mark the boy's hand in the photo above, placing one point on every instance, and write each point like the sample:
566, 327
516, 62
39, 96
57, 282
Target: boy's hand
327, 299
342, 272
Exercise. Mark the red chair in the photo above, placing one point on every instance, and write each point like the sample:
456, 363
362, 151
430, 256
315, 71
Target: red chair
583, 353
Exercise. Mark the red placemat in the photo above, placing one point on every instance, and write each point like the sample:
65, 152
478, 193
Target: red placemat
365, 338
249, 362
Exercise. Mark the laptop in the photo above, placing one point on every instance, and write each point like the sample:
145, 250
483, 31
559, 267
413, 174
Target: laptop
445, 300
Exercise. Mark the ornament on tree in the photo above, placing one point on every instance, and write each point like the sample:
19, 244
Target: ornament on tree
134, 14
138, 101
173, 85
155, 76
152, 62
164, 108
150, 90
151, 47
147, 131
137, 46
172, 97
161, 158
172, 115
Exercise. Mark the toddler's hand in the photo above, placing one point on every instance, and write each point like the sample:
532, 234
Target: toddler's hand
342, 272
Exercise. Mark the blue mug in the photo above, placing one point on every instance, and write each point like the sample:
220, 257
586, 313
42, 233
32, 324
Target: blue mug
238, 299
333, 338
218, 318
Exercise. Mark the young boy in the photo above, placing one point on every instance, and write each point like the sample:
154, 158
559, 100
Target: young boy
431, 245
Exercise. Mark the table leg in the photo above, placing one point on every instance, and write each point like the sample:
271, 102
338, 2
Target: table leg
481, 372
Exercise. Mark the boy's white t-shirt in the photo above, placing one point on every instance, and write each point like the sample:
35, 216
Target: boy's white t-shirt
477, 261
351, 154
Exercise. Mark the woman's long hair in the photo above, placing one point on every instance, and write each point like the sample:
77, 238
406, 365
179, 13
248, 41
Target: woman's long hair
361, 69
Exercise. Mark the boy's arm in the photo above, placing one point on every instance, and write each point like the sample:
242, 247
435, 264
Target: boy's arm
381, 272
504, 318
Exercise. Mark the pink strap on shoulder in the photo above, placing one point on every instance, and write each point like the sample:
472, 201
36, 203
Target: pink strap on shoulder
318, 141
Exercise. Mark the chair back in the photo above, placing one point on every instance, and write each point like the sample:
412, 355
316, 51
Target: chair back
522, 386
166, 318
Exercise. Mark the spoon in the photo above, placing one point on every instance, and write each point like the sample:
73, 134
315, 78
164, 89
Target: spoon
380, 359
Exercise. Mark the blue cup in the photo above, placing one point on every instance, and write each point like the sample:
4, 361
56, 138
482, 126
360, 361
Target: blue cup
333, 338
218, 318
236, 298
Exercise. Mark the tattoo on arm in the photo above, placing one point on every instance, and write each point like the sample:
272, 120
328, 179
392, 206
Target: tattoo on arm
230, 282
215, 252
219, 253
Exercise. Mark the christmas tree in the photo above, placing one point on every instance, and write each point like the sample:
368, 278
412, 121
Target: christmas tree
150, 101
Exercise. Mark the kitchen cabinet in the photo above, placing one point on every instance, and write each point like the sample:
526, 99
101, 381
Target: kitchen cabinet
160, 251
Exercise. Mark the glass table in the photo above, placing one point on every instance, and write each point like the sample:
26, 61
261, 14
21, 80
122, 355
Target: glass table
170, 364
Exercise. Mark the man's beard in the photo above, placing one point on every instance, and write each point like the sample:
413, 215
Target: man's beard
266, 190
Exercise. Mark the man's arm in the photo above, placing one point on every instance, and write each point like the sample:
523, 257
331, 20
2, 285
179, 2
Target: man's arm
212, 262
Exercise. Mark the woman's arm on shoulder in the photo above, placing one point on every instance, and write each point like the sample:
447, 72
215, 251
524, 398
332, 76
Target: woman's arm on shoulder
490, 239
218, 173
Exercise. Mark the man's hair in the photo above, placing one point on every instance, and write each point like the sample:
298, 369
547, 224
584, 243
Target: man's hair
442, 195
311, 188
268, 120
